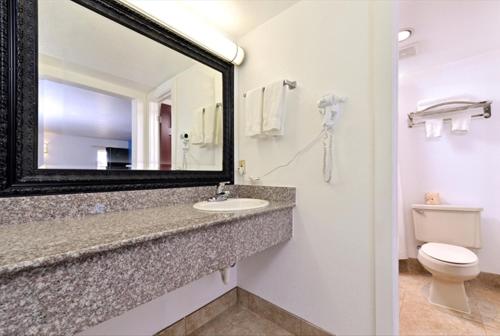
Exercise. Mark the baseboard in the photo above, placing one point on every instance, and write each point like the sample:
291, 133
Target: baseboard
278, 315
413, 266
237, 296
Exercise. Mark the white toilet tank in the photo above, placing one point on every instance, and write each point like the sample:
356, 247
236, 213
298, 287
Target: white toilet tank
448, 224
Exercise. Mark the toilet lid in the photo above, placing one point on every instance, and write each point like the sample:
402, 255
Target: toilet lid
449, 253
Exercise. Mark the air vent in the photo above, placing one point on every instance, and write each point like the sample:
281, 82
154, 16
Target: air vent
408, 51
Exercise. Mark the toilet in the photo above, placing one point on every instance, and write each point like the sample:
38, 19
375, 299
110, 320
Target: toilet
448, 232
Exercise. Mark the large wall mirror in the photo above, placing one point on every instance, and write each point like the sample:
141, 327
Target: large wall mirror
104, 98
111, 98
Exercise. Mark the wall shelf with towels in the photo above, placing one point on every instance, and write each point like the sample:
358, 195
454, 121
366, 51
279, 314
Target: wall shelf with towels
291, 85
447, 108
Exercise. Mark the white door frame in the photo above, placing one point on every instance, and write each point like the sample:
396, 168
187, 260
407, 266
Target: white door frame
385, 25
158, 95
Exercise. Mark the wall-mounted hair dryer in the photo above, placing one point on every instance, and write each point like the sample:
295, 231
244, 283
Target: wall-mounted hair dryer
185, 148
330, 107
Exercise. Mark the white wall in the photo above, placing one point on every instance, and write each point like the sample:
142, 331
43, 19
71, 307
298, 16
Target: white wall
327, 273
75, 152
461, 168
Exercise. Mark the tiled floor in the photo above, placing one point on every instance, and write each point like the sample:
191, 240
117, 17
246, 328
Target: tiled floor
241, 313
419, 317
239, 321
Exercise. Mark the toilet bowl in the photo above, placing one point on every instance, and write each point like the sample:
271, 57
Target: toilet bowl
450, 266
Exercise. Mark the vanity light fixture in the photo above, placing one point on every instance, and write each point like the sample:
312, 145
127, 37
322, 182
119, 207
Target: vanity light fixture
185, 23
404, 34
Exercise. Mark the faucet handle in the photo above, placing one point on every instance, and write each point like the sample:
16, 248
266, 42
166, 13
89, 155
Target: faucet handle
220, 188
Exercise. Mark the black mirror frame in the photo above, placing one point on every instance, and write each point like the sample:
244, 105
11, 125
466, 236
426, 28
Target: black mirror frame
19, 174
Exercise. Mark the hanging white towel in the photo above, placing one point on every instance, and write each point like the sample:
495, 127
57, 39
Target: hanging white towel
253, 112
273, 111
460, 122
218, 124
198, 127
433, 128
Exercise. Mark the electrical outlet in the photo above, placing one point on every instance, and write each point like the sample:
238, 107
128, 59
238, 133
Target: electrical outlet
242, 167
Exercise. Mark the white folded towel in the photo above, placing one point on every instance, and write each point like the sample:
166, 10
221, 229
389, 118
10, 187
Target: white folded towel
425, 103
253, 112
198, 127
433, 128
273, 110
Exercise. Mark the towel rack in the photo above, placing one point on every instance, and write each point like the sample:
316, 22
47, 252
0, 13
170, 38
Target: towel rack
216, 106
442, 108
291, 85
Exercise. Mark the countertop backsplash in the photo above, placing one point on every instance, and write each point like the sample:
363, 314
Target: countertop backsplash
15, 210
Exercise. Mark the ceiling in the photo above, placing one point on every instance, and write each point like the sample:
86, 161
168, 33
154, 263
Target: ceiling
235, 18
77, 36
78, 111
448, 31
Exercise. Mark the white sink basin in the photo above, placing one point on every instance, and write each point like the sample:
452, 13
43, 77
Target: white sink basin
232, 204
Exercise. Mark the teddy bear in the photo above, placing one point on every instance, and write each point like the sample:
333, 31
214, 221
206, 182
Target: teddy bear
432, 198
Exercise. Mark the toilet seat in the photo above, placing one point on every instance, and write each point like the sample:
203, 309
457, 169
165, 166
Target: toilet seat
449, 253
460, 270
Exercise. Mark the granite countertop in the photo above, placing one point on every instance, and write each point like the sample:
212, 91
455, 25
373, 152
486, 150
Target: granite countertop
35, 244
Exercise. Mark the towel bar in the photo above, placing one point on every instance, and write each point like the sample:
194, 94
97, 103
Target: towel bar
291, 85
436, 110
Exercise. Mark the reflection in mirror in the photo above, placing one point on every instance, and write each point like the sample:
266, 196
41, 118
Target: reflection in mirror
111, 98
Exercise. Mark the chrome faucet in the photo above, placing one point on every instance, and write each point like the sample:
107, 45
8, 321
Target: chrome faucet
221, 195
